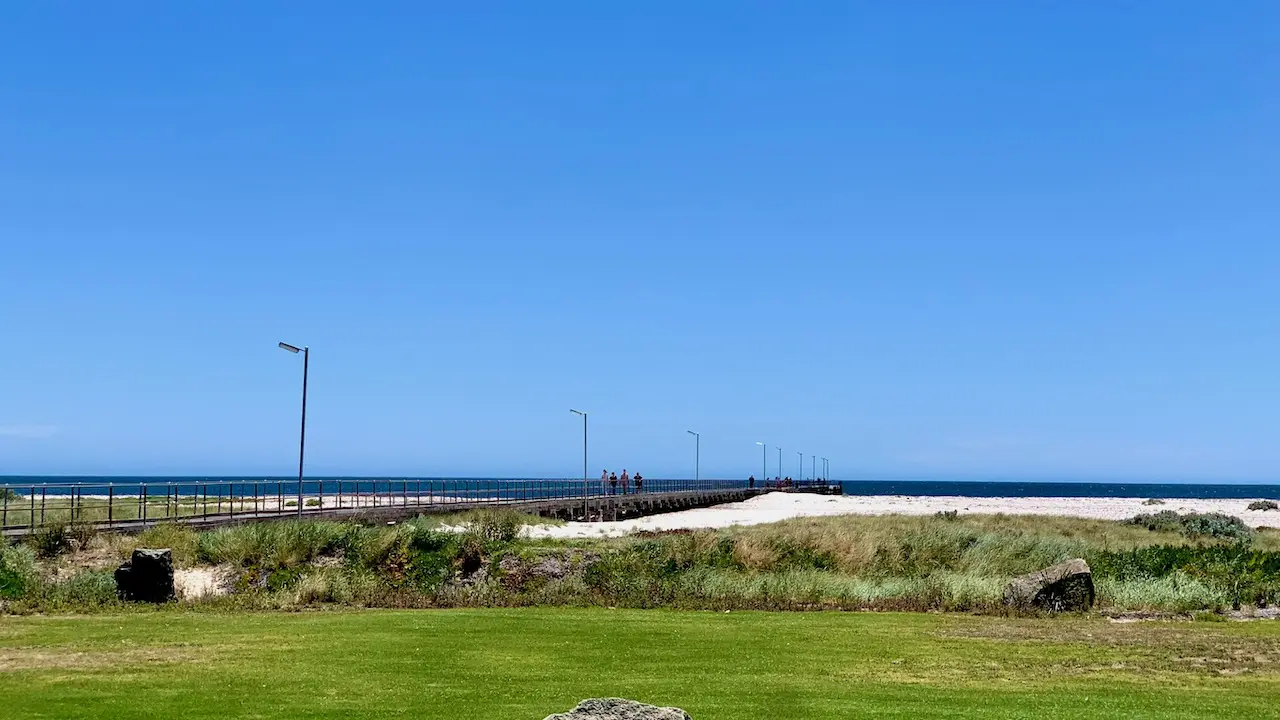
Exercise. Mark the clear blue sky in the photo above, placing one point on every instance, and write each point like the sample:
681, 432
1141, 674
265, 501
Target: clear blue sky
922, 239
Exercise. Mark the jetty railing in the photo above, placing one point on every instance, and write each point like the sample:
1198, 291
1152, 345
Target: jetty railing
133, 502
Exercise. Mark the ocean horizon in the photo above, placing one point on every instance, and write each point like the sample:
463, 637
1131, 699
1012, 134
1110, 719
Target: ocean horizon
958, 488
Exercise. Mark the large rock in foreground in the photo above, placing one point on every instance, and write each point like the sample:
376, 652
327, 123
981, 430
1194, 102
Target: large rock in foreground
619, 709
147, 576
1063, 587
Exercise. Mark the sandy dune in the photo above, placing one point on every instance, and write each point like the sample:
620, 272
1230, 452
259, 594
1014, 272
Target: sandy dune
781, 506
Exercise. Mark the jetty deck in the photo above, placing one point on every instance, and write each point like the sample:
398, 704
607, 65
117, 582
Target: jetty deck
135, 505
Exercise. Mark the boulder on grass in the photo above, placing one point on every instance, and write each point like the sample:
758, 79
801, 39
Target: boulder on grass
1064, 587
147, 576
619, 709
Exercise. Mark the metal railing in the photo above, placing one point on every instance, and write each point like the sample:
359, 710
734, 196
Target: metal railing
142, 502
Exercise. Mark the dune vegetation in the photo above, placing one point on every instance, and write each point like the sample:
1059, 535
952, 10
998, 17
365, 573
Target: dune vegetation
1162, 563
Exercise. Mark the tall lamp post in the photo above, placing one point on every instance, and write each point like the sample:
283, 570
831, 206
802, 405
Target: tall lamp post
779, 463
584, 461
764, 461
800, 475
813, 467
824, 470
302, 435
697, 456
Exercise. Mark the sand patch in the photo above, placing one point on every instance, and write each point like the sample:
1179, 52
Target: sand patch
777, 506
201, 582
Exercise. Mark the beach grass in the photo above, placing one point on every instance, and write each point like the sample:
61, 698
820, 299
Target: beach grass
883, 563
525, 664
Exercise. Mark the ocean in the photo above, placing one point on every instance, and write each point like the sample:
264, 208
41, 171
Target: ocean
974, 488
568, 486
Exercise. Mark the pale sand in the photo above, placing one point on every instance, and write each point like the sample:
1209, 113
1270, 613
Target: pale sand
198, 582
782, 506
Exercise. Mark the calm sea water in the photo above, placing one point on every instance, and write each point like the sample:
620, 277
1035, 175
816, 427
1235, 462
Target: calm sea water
964, 488
968, 488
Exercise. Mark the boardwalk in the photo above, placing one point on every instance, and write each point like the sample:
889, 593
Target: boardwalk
135, 505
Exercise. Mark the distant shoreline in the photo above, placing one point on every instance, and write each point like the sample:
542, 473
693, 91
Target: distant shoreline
867, 488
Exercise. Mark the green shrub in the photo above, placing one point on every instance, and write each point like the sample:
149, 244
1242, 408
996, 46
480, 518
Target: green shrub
18, 571
310, 502
1177, 593
498, 525
1264, 505
1153, 501
181, 539
9, 495
1193, 525
1241, 573
272, 545
53, 540
85, 589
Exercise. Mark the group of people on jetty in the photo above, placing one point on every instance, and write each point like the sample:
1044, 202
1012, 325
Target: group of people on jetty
636, 482
777, 482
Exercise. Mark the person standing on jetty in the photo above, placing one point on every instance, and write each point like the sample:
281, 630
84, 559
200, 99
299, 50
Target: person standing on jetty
613, 483
638, 479
625, 480
751, 482
604, 480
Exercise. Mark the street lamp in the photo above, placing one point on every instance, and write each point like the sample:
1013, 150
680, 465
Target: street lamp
800, 475
302, 435
824, 469
764, 461
697, 456
584, 461
813, 467
779, 463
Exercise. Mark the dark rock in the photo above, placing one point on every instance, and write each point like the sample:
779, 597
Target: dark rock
1064, 587
147, 576
619, 709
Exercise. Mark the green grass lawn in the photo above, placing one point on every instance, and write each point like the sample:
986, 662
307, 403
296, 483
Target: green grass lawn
525, 664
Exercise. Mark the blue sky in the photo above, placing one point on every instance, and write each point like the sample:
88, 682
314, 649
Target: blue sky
925, 239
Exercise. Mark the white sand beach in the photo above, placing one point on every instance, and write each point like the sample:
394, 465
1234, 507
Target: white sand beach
782, 506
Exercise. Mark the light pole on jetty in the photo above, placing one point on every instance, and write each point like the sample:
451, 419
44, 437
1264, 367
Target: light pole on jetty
813, 467
824, 469
779, 462
764, 460
697, 456
584, 461
302, 435
800, 475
